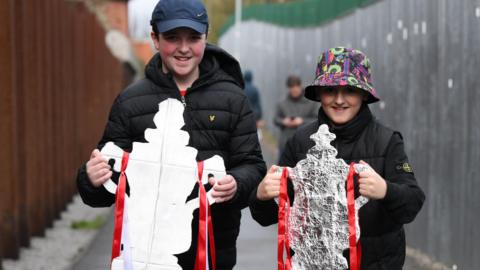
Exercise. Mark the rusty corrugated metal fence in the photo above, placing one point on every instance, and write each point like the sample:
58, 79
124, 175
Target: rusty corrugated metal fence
57, 82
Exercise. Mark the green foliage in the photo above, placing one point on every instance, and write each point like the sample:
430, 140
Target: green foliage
220, 10
300, 13
88, 224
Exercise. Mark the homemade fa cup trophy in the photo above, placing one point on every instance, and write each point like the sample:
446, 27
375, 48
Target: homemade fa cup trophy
153, 221
323, 220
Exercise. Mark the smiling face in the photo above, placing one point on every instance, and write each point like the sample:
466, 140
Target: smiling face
181, 51
342, 103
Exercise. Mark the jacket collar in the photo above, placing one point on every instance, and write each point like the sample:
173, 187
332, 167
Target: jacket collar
349, 131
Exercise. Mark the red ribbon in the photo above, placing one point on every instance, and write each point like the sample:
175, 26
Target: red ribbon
204, 224
119, 207
355, 250
283, 214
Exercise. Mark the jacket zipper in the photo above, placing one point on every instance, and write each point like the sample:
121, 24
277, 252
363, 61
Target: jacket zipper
182, 97
184, 102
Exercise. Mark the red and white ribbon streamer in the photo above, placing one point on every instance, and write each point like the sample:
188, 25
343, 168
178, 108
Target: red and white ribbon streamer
283, 215
205, 228
355, 250
119, 208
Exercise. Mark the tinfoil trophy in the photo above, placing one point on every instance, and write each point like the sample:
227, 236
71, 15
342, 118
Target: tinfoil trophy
318, 228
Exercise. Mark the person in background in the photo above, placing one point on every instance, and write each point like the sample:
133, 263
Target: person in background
253, 96
294, 111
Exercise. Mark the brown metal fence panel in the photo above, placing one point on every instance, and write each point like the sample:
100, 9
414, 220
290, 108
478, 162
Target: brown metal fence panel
57, 82
19, 136
8, 209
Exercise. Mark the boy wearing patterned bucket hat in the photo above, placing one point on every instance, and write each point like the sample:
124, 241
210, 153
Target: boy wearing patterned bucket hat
343, 85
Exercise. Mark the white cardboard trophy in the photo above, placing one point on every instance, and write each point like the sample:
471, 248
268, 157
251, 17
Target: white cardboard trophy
161, 175
318, 224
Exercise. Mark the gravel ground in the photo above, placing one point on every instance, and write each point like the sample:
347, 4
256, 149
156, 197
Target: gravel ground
61, 245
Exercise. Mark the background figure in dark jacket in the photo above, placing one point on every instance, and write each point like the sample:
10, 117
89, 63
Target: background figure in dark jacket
344, 88
253, 96
208, 81
294, 111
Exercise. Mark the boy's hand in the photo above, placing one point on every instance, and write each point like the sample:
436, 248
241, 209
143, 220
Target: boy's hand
371, 184
260, 123
98, 170
269, 188
223, 189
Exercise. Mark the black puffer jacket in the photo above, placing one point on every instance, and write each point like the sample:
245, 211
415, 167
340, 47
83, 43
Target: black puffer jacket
232, 135
381, 221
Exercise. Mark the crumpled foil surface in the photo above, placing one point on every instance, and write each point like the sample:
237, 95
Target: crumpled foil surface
318, 222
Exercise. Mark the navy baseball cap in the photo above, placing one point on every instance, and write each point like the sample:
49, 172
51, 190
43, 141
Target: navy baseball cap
171, 14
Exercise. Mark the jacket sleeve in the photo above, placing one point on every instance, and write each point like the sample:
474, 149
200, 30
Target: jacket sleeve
115, 131
246, 160
266, 212
404, 198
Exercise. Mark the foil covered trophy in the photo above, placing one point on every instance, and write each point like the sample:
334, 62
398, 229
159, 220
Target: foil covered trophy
318, 228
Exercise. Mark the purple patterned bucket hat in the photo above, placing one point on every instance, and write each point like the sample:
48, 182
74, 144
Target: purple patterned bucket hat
343, 66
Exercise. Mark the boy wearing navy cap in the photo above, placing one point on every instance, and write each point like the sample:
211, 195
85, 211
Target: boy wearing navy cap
208, 81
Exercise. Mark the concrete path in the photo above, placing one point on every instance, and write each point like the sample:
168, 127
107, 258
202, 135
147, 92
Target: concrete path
64, 248
256, 247
62, 245
97, 255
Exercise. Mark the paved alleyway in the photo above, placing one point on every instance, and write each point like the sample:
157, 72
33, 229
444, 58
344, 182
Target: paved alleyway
68, 249
256, 246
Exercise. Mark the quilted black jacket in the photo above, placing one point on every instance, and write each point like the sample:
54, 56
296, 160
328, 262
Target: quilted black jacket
381, 221
232, 135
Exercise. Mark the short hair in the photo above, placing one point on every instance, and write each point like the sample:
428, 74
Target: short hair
293, 80
155, 28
